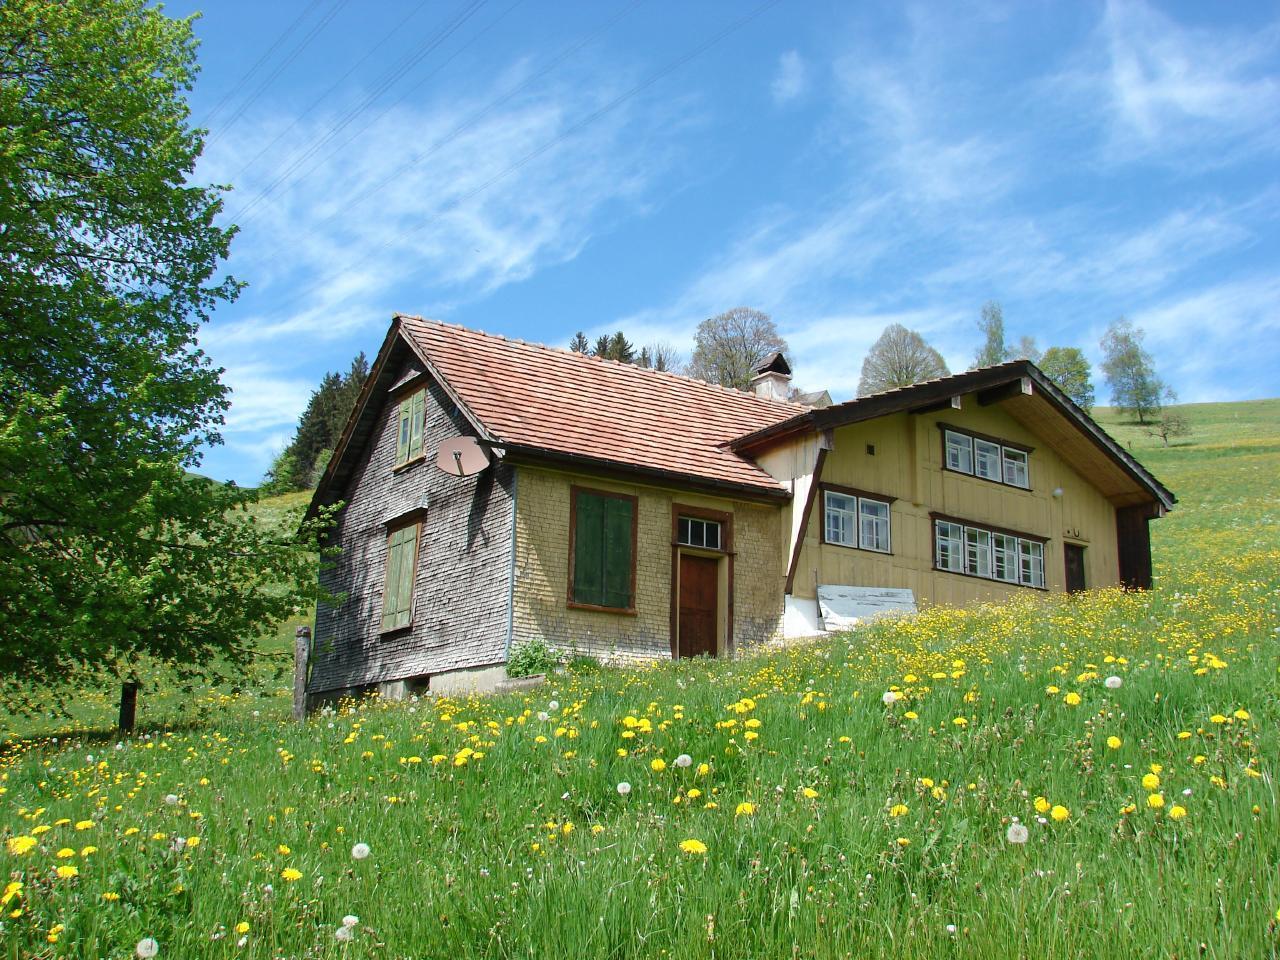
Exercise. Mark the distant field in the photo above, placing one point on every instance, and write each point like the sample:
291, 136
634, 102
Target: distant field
813, 820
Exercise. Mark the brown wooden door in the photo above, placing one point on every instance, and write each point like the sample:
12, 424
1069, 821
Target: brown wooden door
1073, 554
699, 578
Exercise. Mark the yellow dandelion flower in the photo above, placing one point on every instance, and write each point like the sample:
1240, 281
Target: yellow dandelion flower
1241, 714
1177, 812
744, 809
1059, 813
1151, 781
68, 871
1072, 699
903, 842
657, 764
1114, 743
1155, 801
283, 850
290, 874
898, 810
1042, 805
84, 824
20, 845
64, 853
810, 793
694, 847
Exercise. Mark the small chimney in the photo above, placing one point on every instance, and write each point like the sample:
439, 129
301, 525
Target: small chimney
773, 378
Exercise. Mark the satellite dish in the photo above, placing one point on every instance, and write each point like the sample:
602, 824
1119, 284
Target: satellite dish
462, 457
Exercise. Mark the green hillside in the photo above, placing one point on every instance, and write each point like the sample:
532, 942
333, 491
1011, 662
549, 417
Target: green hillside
859, 797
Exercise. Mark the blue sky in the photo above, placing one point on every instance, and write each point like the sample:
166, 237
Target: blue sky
534, 169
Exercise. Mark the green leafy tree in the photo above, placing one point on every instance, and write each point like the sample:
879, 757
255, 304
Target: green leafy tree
728, 347
113, 555
899, 358
991, 325
1069, 369
1131, 373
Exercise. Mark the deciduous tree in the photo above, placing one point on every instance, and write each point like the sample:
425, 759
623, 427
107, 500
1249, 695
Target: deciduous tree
112, 553
1131, 372
728, 347
991, 325
1069, 369
899, 358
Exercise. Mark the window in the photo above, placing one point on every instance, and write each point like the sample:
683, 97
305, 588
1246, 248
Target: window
397, 587
1015, 468
959, 452
856, 520
986, 457
990, 554
412, 416
602, 549
693, 532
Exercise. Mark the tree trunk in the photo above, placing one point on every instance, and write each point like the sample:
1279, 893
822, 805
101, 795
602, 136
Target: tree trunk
128, 705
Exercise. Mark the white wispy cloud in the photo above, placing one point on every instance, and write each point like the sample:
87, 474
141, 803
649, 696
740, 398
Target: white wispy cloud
790, 78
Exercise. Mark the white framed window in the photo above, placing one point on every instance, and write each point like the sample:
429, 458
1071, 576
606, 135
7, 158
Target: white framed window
841, 519
959, 452
852, 520
1015, 468
1004, 557
1031, 563
696, 532
986, 459
977, 552
873, 524
982, 552
949, 546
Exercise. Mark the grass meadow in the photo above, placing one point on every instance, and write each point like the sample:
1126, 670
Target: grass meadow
1060, 777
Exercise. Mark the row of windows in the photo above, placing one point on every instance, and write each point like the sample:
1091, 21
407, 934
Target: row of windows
857, 521
980, 457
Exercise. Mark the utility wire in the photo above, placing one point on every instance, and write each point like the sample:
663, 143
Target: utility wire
406, 64
569, 131
280, 68
248, 75
332, 89
475, 118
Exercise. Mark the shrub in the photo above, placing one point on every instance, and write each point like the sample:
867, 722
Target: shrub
531, 658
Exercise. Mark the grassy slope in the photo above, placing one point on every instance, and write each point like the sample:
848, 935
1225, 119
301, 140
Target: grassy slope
497, 853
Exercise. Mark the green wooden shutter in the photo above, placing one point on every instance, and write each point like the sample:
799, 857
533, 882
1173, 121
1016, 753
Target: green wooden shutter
588, 549
403, 431
397, 595
617, 552
417, 415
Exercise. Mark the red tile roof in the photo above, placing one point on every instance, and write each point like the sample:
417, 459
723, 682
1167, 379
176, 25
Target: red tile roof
563, 403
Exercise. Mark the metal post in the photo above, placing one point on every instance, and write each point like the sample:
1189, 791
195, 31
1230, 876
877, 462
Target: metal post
301, 650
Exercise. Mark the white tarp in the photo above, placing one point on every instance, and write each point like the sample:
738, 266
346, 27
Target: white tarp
844, 608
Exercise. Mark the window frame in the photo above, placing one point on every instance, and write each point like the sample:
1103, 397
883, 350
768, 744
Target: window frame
857, 496
1004, 548
411, 412
683, 517
1003, 447
412, 580
575, 492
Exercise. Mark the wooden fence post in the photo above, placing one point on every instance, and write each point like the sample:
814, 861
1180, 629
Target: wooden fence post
301, 650
128, 705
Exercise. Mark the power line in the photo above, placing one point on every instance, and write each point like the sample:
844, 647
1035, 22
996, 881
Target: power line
248, 75
280, 68
331, 89
406, 64
475, 118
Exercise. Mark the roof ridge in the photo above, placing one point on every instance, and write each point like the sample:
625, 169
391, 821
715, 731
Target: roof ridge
682, 378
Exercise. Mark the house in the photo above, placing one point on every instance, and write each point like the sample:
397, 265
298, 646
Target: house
498, 492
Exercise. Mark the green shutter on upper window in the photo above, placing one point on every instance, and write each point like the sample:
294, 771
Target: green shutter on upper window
417, 417
397, 597
588, 549
403, 431
617, 552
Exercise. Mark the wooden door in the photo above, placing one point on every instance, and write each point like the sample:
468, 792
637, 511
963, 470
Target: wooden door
699, 595
1073, 554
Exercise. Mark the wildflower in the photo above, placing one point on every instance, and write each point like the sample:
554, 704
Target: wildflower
553, 705
1072, 699
684, 760
147, 947
64, 853
889, 698
1177, 812
657, 764
810, 793
704, 769
596, 830
1017, 833
1114, 743
1155, 801
960, 722
68, 871
111, 896
84, 824
172, 800
744, 809
1241, 714
1059, 813
344, 934
624, 788
1041, 805
350, 920
1112, 683
242, 927
20, 845
290, 874
12, 891
360, 851
1217, 718
911, 715
283, 850
1150, 781
903, 842
898, 810
695, 847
